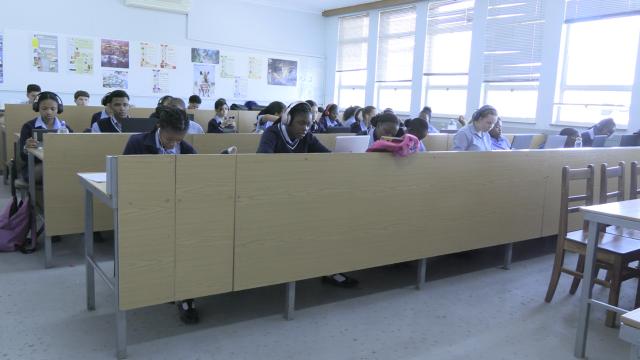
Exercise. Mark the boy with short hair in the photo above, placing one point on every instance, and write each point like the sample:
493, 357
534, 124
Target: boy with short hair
194, 102
81, 98
33, 90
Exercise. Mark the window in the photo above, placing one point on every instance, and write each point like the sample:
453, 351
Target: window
597, 68
513, 57
396, 40
351, 65
448, 51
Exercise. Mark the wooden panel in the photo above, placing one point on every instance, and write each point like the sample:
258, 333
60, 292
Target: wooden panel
205, 203
146, 230
247, 121
136, 112
203, 117
328, 227
215, 143
66, 155
436, 142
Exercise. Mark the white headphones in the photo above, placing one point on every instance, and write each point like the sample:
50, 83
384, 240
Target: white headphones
286, 119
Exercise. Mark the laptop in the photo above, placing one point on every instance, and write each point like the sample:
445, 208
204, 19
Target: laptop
339, 130
138, 125
555, 142
521, 142
599, 140
39, 133
352, 144
629, 140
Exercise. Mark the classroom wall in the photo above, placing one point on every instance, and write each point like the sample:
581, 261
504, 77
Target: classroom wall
225, 25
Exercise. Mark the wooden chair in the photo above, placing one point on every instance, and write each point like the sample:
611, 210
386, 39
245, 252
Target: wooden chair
614, 252
633, 182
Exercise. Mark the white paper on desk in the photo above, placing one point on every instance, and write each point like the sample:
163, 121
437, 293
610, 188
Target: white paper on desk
99, 177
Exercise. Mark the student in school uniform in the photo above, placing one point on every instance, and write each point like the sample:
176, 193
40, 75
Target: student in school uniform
194, 102
363, 120
48, 105
604, 127
267, 116
498, 142
419, 128
384, 124
349, 116
475, 135
118, 103
163, 101
106, 113
316, 127
426, 115
218, 123
32, 93
572, 136
81, 98
194, 127
329, 117
358, 127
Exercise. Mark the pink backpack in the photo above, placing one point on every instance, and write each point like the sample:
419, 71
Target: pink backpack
406, 145
14, 225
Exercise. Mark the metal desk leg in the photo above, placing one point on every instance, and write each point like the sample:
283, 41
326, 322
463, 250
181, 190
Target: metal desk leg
88, 250
290, 301
508, 251
587, 288
48, 251
121, 315
31, 166
121, 333
422, 273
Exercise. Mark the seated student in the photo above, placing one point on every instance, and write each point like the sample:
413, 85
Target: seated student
363, 120
475, 135
194, 127
220, 121
81, 98
388, 111
106, 113
267, 116
385, 124
358, 126
572, 136
329, 117
164, 101
118, 103
603, 127
498, 142
194, 102
48, 105
419, 128
425, 114
316, 127
349, 116
32, 93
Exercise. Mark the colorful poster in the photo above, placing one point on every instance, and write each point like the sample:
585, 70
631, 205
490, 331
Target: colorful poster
148, 55
167, 56
114, 53
115, 79
240, 88
282, 72
1, 60
80, 53
45, 53
205, 56
255, 68
160, 81
204, 80
227, 67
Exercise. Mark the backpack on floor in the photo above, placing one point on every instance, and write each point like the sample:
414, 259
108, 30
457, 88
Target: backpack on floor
14, 225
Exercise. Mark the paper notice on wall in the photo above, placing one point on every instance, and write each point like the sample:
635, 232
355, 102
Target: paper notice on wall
205, 56
168, 56
255, 68
1, 60
227, 67
240, 89
148, 55
204, 80
114, 53
80, 54
160, 81
45, 52
115, 79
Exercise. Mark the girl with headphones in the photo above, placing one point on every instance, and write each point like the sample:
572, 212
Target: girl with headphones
475, 135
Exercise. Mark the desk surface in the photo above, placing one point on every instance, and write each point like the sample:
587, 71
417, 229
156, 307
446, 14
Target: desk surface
624, 210
97, 188
37, 152
632, 318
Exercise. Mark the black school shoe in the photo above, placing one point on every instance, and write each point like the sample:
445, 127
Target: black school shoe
340, 280
188, 312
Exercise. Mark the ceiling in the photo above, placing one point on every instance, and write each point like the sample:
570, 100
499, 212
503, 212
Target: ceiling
313, 6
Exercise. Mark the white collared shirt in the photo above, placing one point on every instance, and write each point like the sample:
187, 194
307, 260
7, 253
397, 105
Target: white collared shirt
96, 129
162, 150
40, 123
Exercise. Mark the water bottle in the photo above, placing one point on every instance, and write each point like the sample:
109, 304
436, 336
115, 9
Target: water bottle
452, 125
578, 143
63, 128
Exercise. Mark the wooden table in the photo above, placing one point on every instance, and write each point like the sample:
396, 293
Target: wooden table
630, 332
625, 214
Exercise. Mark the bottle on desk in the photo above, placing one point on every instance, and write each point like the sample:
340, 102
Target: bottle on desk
63, 128
578, 143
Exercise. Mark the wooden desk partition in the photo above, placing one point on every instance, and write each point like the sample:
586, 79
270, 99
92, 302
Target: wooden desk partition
246, 121
215, 143
436, 142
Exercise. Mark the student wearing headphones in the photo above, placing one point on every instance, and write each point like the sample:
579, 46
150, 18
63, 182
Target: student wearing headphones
330, 117
106, 113
475, 135
118, 103
194, 127
48, 105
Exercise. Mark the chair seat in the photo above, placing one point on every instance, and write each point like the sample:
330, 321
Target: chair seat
612, 243
617, 230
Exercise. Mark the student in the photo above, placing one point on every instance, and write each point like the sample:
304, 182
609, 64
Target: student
572, 136
316, 127
363, 124
81, 98
330, 117
32, 93
48, 105
194, 127
118, 103
349, 116
498, 142
194, 102
216, 125
106, 113
385, 124
603, 127
388, 111
475, 135
358, 127
419, 128
425, 114
164, 101
267, 116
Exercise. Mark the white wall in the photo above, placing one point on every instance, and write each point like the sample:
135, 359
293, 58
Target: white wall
236, 29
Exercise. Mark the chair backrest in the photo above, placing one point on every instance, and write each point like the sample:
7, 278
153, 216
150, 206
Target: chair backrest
607, 173
566, 199
633, 182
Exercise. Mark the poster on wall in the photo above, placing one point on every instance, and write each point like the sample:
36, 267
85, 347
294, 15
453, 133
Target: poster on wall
1, 60
255, 68
114, 53
167, 56
204, 80
148, 55
80, 54
241, 86
115, 79
205, 56
227, 67
45, 52
282, 72
160, 81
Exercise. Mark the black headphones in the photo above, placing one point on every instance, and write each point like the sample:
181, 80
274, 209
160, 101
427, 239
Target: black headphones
48, 95
163, 99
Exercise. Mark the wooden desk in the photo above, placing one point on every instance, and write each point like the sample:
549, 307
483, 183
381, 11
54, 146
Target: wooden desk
625, 214
630, 332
